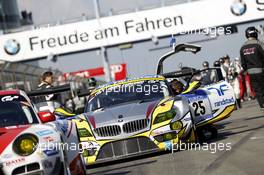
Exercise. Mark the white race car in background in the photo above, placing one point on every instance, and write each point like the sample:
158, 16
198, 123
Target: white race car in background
28, 146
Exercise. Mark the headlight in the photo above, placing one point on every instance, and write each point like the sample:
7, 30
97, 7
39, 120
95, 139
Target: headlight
166, 137
176, 125
165, 116
25, 144
83, 132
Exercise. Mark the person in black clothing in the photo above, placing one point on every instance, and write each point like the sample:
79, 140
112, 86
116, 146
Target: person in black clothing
252, 61
47, 80
217, 66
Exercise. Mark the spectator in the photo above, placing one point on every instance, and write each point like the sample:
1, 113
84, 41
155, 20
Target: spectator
47, 81
217, 66
233, 78
252, 60
244, 81
208, 76
225, 67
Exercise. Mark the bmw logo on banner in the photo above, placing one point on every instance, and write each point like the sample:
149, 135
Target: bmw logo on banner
239, 8
11, 47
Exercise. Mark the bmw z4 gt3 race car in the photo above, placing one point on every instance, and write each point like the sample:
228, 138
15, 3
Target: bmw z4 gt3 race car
139, 116
34, 143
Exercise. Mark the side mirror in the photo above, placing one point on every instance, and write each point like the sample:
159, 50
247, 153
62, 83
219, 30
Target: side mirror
46, 116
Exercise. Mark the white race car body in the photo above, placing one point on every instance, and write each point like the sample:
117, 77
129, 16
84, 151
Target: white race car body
56, 151
211, 103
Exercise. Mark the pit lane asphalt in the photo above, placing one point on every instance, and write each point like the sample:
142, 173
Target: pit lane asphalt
244, 130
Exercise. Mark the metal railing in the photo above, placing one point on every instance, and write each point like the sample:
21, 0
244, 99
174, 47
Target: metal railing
21, 76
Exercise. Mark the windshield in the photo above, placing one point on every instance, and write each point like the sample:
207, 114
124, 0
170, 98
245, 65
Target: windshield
15, 113
140, 91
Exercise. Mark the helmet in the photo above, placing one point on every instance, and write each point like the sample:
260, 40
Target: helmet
221, 60
205, 64
217, 63
251, 32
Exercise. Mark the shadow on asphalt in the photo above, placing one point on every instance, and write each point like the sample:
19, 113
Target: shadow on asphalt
254, 118
225, 134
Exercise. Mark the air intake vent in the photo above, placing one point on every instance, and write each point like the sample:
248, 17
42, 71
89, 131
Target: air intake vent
108, 131
135, 126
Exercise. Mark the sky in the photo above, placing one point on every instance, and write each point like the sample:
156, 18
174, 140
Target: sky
50, 11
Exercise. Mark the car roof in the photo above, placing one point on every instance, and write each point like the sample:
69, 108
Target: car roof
15, 92
9, 92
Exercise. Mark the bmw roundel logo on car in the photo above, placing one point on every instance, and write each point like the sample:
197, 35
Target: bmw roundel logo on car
239, 8
12, 47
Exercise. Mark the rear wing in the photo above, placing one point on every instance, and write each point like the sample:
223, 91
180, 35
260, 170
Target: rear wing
61, 92
176, 48
51, 90
60, 89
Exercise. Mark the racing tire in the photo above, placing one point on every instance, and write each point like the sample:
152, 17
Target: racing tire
206, 133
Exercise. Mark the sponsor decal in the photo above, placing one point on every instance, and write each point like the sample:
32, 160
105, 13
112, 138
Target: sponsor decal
11, 47
48, 139
15, 161
249, 51
224, 102
238, 8
9, 98
220, 91
44, 132
202, 118
51, 152
196, 98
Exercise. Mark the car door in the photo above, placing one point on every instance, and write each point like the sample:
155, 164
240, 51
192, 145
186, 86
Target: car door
199, 106
222, 99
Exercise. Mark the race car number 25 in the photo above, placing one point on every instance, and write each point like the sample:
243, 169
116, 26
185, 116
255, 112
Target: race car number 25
199, 108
